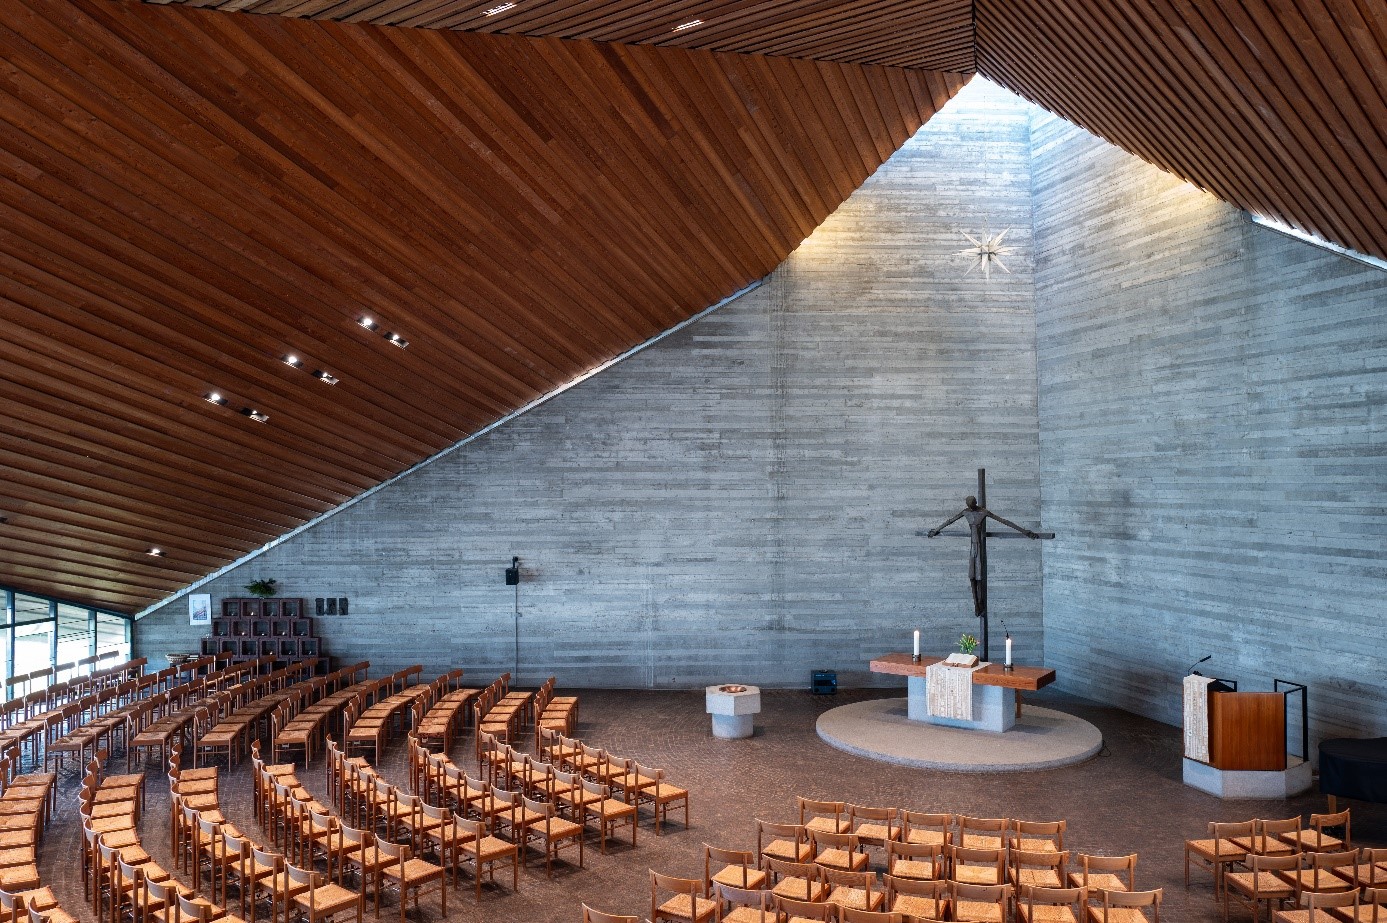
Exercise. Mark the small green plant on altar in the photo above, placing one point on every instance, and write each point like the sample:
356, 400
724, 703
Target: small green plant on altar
262, 588
968, 644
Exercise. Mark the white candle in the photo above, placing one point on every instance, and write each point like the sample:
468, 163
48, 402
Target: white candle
917, 642
1008, 650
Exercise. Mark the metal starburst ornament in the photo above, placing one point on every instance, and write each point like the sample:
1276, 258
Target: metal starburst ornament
986, 253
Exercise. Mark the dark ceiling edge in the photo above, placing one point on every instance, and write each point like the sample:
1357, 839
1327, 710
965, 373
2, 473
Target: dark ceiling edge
542, 399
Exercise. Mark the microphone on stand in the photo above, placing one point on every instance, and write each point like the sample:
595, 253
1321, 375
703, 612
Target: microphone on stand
1192, 672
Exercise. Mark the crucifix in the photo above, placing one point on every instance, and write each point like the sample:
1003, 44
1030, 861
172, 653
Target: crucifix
976, 514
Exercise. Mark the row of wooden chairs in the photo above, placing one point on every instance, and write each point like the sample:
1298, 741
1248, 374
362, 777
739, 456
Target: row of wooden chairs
301, 730
377, 711
1229, 845
1282, 880
499, 713
242, 715
438, 723
555, 713
82, 673
1369, 906
24, 812
634, 782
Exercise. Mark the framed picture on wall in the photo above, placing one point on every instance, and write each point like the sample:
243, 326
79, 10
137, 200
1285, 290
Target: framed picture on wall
199, 609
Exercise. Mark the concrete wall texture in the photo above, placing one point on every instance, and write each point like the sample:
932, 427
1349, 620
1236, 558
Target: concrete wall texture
1213, 420
740, 500
1193, 403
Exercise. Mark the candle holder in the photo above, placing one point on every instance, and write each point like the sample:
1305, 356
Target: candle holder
1006, 668
915, 658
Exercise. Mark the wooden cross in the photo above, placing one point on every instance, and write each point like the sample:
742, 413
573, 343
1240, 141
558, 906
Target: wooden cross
976, 514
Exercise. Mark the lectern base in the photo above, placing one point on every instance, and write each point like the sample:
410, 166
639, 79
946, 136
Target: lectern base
1236, 783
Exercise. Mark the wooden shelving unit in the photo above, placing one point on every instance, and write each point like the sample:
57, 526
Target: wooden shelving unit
250, 627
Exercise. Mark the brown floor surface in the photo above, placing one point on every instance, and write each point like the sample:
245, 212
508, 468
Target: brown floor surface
1130, 798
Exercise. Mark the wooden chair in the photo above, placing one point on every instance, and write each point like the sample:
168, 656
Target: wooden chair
1038, 836
745, 905
475, 845
1315, 839
553, 831
1126, 907
838, 851
1105, 872
316, 898
800, 881
1037, 869
356, 852
405, 873
1328, 871
980, 903
268, 879
857, 890
793, 911
919, 861
1219, 851
1371, 871
1269, 879
919, 900
1326, 907
874, 826
1372, 908
982, 832
823, 816
736, 868
977, 866
1052, 905
597, 802
685, 901
1275, 837
662, 796
787, 842
597, 916
849, 915
933, 829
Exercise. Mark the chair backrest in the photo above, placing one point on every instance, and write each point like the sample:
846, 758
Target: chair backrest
1269, 833
782, 869
806, 910
1319, 823
866, 880
728, 858
597, 916
990, 827
936, 890
744, 897
859, 812
981, 894
853, 915
693, 887
809, 809
1029, 859
823, 840
1260, 863
1322, 863
1026, 833
964, 855
1074, 898
933, 853
1224, 832
768, 830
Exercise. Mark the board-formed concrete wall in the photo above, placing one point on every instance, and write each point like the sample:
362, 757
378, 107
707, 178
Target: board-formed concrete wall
740, 500
1213, 418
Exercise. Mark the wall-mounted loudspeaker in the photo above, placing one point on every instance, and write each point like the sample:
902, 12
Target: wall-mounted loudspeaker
513, 572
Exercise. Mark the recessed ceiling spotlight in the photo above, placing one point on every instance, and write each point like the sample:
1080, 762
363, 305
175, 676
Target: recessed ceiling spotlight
688, 25
155, 552
367, 323
292, 359
498, 9
324, 377
397, 340
215, 398
255, 415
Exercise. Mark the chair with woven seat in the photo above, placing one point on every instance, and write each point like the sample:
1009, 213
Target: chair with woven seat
838, 851
405, 873
1275, 837
849, 915
920, 861
823, 816
473, 843
977, 866
734, 867
1325, 907
553, 831
1371, 871
1269, 879
1126, 906
919, 900
1219, 850
316, 898
787, 842
596, 802
743, 905
979, 903
857, 890
596, 916
685, 901
1372, 907
874, 826
1038, 836
1037, 869
662, 796
982, 832
1051, 905
801, 881
793, 911
933, 829
1105, 872
1328, 871
1313, 838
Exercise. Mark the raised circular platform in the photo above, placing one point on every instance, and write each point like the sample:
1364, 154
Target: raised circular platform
878, 729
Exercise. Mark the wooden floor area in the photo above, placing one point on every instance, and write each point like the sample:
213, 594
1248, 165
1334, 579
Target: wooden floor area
1129, 798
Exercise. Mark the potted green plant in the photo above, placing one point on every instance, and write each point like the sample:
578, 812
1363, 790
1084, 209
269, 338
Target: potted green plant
968, 644
262, 588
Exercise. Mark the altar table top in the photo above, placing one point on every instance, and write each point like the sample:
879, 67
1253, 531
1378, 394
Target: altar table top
994, 674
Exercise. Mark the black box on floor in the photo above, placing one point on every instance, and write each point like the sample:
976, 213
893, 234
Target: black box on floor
823, 682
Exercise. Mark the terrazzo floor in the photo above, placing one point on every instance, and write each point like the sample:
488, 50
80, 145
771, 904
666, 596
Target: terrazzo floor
1128, 798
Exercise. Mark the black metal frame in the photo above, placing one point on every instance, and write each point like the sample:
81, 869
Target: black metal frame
1287, 689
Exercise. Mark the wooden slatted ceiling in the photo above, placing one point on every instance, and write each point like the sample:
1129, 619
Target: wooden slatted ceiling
1277, 107
928, 34
187, 196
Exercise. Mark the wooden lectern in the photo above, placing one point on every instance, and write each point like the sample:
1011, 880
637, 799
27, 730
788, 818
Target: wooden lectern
1247, 730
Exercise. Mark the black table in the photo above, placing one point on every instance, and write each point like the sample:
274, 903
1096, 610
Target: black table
1354, 768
